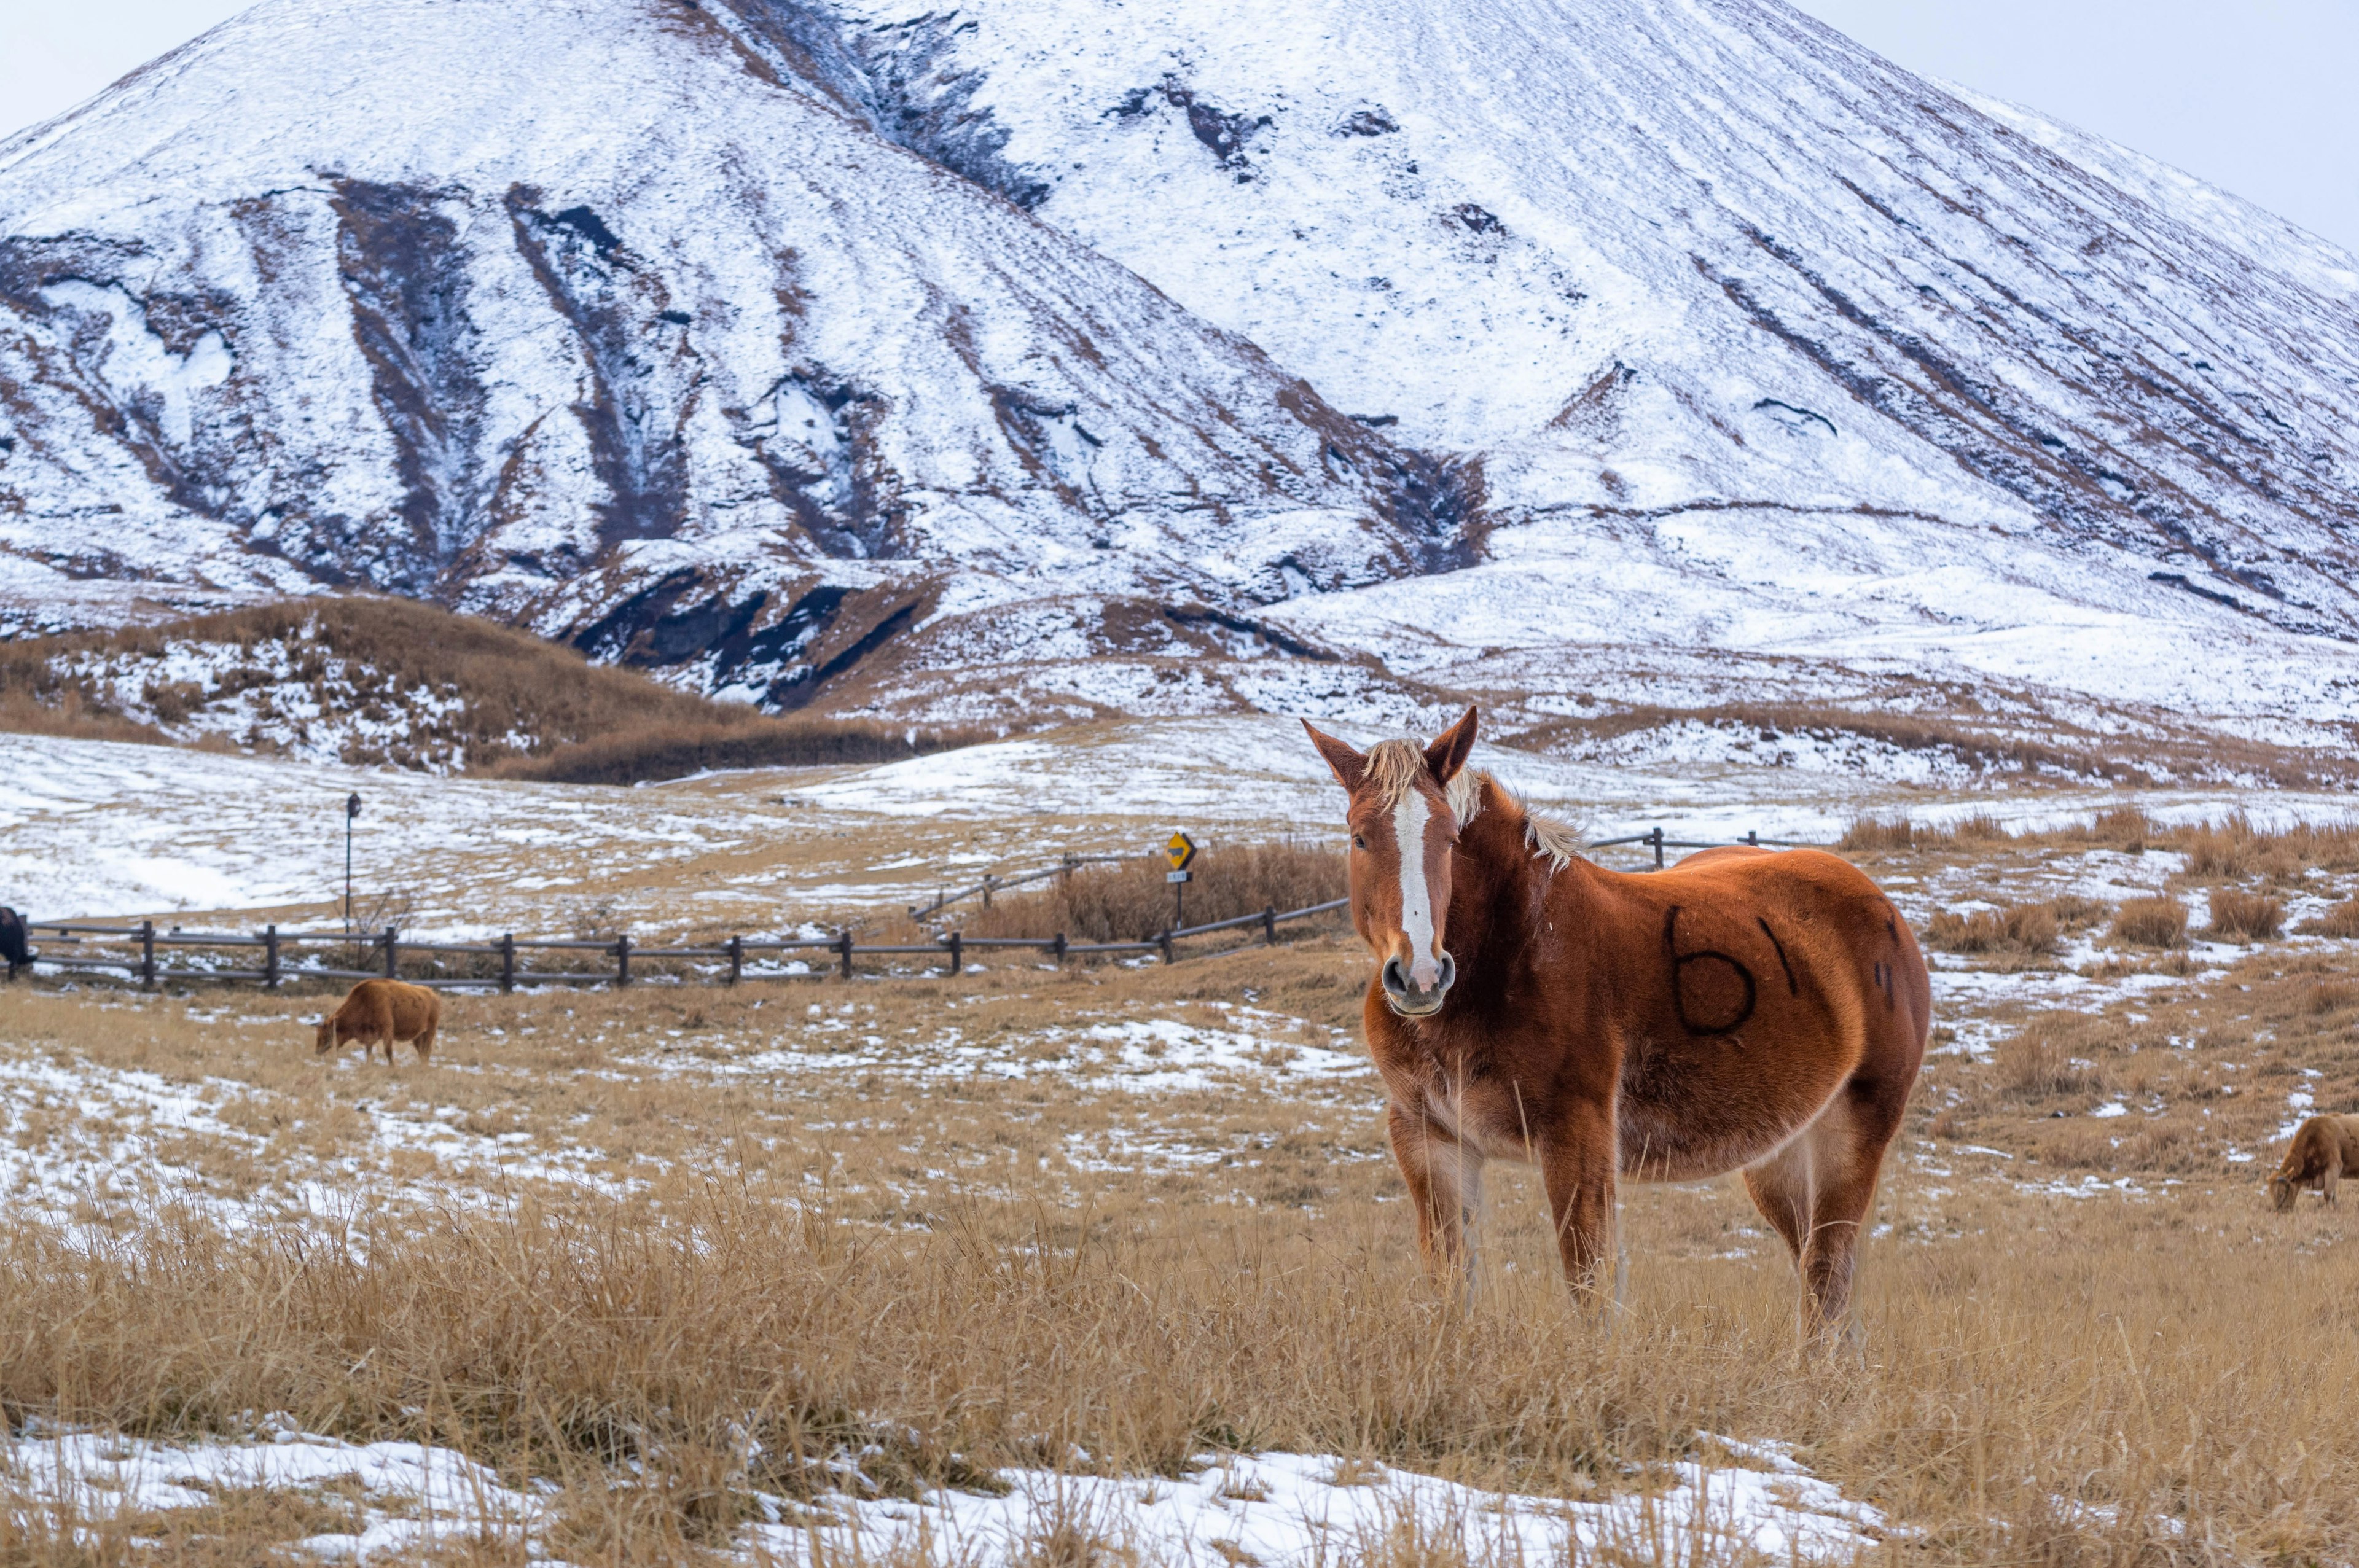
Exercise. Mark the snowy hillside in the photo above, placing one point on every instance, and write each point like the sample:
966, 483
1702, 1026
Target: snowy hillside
569, 315
1063, 358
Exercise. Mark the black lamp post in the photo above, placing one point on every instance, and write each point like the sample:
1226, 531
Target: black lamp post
352, 809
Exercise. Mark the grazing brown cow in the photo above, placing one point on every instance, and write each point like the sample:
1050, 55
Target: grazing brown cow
2323, 1148
1743, 1011
380, 1012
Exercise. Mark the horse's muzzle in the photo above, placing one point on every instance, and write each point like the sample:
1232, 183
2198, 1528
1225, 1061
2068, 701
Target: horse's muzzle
1409, 1001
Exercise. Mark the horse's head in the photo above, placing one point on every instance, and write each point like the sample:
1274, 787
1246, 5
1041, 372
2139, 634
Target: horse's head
2281, 1192
1402, 830
325, 1041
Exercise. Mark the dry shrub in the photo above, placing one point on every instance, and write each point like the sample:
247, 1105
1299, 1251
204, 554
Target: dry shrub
2030, 929
676, 750
1872, 833
2253, 915
2038, 1059
2340, 920
1981, 827
2151, 923
2235, 847
2329, 996
2123, 828
1131, 902
2076, 914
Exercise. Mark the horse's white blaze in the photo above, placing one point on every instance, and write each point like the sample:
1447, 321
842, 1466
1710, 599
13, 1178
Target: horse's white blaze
1416, 900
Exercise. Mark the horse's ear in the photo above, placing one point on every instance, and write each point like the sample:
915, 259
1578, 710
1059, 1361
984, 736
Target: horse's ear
1447, 754
1350, 766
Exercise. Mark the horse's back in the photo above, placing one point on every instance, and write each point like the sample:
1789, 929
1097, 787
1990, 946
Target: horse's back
415, 1008
384, 1008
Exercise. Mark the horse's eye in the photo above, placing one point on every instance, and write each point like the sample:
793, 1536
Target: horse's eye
1358, 842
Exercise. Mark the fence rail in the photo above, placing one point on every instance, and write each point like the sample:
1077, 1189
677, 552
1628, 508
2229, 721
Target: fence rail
281, 961
993, 882
133, 951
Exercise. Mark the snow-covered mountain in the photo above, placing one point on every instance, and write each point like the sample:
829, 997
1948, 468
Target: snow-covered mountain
579, 315
1073, 355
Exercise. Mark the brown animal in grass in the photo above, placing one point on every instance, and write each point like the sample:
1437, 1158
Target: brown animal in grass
381, 1012
1745, 1009
2323, 1148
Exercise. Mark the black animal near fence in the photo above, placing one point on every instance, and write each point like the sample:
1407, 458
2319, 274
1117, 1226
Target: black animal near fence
142, 952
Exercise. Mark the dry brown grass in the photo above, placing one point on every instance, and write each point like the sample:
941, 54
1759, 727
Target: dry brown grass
2123, 827
901, 1259
2151, 923
2249, 915
2032, 930
2338, 920
1979, 829
2045, 746
2232, 849
1131, 900
2038, 1059
677, 749
585, 723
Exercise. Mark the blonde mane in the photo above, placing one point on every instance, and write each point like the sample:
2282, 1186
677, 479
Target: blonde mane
1550, 838
1394, 767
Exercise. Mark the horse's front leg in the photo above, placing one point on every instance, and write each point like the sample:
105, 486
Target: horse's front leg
1577, 1167
1445, 1184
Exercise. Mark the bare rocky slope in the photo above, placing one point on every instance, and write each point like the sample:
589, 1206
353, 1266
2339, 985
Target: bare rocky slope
1067, 357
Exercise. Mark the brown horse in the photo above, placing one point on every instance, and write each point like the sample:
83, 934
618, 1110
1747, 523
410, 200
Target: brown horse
1741, 1011
2323, 1148
380, 1012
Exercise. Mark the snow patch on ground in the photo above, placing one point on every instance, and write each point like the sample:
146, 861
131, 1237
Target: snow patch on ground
1312, 1509
403, 1497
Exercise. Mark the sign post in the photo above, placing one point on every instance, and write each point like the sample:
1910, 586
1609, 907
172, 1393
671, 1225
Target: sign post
352, 809
1180, 850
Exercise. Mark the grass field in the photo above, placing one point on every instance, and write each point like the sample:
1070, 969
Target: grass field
1061, 1266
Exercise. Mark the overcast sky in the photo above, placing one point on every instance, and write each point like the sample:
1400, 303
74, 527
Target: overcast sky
2255, 95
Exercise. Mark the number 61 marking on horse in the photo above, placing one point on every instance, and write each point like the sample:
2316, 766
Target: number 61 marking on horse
1744, 1009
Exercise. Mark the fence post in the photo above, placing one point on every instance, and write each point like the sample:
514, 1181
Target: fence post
507, 963
989, 882
623, 958
1270, 923
843, 947
1753, 837
270, 958
958, 950
737, 959
1656, 838
1059, 949
147, 954
392, 955
1167, 947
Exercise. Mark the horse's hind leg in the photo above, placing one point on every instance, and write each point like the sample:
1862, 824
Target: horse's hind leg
1781, 1188
1816, 1192
1847, 1149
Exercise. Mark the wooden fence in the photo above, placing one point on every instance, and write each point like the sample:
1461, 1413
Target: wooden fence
133, 951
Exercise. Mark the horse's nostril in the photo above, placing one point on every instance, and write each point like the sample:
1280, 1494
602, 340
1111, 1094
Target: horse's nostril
1394, 980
